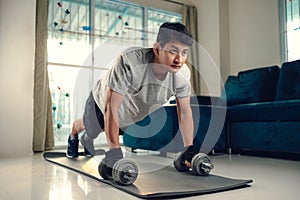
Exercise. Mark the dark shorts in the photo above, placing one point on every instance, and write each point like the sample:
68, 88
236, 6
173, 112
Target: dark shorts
93, 119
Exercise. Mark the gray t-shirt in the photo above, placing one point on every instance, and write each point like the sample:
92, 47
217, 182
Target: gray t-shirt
131, 75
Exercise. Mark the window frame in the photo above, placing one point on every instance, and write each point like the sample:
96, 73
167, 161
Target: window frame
283, 21
91, 21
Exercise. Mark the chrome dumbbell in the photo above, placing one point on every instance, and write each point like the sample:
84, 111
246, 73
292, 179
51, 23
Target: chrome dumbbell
201, 164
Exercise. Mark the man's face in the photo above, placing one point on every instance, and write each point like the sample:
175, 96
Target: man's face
172, 56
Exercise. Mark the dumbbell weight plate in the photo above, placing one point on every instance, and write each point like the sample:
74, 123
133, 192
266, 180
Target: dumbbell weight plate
103, 172
201, 164
180, 166
125, 172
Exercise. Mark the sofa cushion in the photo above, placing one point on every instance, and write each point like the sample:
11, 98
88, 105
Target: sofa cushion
157, 132
289, 81
256, 85
265, 111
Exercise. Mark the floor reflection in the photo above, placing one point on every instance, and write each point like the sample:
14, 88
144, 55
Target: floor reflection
67, 185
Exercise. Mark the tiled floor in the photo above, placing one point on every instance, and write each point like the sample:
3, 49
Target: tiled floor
34, 178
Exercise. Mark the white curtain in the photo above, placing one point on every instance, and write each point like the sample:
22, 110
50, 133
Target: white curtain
189, 16
43, 137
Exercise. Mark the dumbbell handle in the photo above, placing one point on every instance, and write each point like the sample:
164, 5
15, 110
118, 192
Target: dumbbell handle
207, 166
130, 173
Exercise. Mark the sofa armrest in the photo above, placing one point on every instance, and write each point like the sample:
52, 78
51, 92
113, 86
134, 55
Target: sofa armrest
205, 100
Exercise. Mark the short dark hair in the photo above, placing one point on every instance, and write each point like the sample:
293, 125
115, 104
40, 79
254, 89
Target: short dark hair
170, 31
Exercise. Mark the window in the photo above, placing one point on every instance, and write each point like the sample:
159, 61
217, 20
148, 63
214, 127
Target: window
83, 38
290, 29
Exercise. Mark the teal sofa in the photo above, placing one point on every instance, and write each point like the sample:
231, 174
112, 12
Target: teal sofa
160, 131
258, 113
268, 125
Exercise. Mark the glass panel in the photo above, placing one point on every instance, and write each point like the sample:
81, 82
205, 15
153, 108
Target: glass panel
70, 52
293, 29
69, 88
68, 19
68, 42
118, 25
157, 18
114, 21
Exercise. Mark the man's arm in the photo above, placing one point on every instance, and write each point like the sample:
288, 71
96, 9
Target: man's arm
185, 120
111, 118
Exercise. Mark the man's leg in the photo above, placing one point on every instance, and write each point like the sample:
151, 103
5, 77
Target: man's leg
92, 126
77, 127
93, 123
73, 142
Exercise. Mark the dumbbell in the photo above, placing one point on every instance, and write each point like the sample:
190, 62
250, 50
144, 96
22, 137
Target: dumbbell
124, 172
200, 165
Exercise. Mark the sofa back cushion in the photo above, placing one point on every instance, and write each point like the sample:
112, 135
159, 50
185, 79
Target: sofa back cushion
289, 81
256, 85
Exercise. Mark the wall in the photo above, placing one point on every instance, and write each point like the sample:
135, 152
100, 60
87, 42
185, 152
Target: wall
209, 39
224, 40
239, 35
17, 24
254, 34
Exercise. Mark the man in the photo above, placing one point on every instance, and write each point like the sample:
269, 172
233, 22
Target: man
139, 81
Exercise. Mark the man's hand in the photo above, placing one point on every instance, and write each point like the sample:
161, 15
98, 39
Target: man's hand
106, 165
183, 162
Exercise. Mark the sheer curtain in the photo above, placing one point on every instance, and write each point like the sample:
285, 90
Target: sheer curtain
43, 137
189, 18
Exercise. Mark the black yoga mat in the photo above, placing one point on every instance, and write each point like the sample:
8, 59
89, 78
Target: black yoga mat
155, 180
